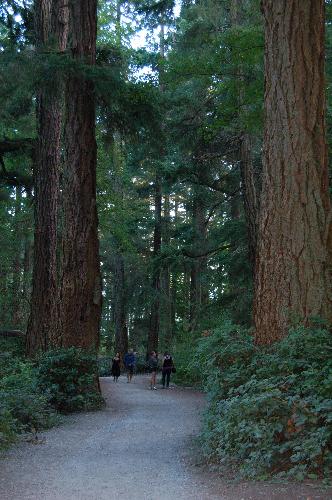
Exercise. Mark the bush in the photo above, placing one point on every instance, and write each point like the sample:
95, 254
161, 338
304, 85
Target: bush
7, 426
104, 366
187, 373
269, 408
23, 407
69, 378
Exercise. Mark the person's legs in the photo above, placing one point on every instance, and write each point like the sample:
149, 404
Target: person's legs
163, 378
168, 376
131, 373
153, 379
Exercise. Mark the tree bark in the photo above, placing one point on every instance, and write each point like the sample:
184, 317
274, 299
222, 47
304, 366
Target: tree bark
81, 281
119, 306
198, 290
167, 323
250, 192
51, 30
292, 266
16, 294
153, 336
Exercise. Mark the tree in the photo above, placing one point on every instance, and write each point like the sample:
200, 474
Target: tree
80, 296
51, 36
292, 268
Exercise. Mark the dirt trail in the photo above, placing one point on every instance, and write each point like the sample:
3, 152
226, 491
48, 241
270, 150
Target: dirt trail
138, 448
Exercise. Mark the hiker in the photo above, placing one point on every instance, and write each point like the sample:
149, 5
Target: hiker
153, 366
167, 369
116, 367
130, 362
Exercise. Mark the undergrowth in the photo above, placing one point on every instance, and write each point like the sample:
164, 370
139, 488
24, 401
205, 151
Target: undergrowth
270, 409
33, 393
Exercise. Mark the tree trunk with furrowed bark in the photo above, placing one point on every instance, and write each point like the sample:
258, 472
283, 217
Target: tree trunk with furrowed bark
51, 34
293, 254
80, 298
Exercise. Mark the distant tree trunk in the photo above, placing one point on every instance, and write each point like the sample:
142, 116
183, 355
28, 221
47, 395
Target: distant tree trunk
174, 276
119, 306
249, 181
153, 336
292, 279
51, 34
198, 289
81, 280
17, 263
250, 192
26, 279
167, 322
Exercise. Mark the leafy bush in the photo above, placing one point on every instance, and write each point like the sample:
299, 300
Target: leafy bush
23, 407
69, 378
104, 366
7, 426
270, 409
187, 373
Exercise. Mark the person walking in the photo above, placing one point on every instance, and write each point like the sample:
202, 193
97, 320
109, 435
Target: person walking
168, 367
130, 362
153, 366
116, 367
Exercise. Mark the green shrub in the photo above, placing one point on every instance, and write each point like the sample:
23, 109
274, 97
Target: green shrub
187, 373
104, 366
23, 407
270, 409
69, 378
7, 426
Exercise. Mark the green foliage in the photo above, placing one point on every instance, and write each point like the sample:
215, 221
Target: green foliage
269, 408
31, 393
186, 373
23, 407
69, 378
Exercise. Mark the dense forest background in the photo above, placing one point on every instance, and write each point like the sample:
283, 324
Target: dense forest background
165, 123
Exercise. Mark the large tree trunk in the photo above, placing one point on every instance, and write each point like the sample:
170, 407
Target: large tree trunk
81, 280
292, 280
51, 33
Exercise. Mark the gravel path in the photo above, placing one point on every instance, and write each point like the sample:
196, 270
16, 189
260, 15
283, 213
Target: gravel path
138, 448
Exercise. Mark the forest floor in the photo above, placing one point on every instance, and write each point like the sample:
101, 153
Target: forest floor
140, 447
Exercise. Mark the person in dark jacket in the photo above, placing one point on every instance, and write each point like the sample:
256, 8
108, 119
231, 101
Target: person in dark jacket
168, 365
130, 362
116, 367
153, 366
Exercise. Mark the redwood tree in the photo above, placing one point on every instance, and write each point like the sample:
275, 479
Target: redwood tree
292, 266
80, 298
51, 22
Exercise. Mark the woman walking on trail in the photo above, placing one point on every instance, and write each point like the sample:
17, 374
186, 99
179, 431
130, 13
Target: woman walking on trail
153, 365
116, 367
168, 367
130, 362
